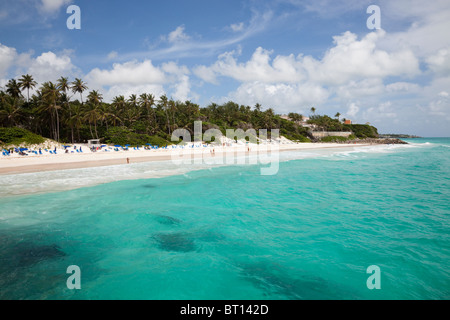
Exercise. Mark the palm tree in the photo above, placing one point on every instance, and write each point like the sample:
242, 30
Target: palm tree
130, 116
165, 105
10, 113
119, 104
76, 120
64, 87
105, 114
173, 108
63, 84
27, 82
50, 97
79, 86
133, 100
13, 89
337, 115
313, 110
147, 101
93, 113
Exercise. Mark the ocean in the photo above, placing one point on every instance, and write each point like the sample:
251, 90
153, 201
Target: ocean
311, 231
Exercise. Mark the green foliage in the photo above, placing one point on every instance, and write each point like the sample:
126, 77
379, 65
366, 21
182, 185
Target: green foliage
123, 135
16, 136
362, 130
326, 123
140, 118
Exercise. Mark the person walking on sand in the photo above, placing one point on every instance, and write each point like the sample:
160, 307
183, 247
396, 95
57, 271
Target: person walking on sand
128, 160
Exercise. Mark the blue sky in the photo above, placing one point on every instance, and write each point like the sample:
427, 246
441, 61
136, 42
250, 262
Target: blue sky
289, 55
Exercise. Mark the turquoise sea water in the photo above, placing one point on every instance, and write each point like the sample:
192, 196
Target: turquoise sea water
308, 232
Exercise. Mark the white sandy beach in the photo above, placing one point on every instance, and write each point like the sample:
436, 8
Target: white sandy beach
16, 163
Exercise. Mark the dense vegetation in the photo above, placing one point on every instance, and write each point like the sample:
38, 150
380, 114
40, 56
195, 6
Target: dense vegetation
17, 136
362, 131
326, 123
55, 111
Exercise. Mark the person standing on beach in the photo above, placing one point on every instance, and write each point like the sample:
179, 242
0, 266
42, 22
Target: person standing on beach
128, 160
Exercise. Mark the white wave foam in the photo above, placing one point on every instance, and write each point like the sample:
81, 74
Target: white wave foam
49, 181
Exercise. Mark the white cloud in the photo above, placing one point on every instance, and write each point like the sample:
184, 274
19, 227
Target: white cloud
51, 6
353, 69
258, 68
183, 45
352, 110
130, 73
402, 87
49, 67
353, 59
282, 97
359, 89
46, 67
426, 33
112, 55
178, 35
7, 57
440, 61
236, 27
349, 60
142, 77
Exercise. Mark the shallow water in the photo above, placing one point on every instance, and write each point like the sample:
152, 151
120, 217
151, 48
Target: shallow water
226, 232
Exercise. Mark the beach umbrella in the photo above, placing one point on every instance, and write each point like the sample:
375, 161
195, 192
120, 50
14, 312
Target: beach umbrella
149, 144
118, 146
127, 145
23, 149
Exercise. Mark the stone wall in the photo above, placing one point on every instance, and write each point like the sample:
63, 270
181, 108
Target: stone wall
321, 134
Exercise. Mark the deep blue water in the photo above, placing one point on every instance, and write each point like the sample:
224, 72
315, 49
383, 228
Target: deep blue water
308, 232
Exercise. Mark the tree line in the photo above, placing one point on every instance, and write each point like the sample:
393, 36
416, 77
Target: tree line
67, 111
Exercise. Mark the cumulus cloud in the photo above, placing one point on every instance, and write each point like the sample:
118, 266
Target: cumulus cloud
350, 59
352, 69
129, 73
353, 59
440, 61
139, 77
7, 57
258, 68
282, 97
178, 35
48, 67
402, 86
51, 6
352, 110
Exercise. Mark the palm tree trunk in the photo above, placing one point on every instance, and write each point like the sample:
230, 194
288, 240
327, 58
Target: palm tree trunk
95, 127
57, 124
168, 122
90, 129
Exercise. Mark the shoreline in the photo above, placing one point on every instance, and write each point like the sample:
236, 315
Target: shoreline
30, 164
